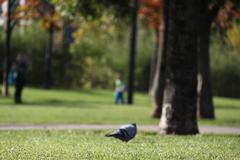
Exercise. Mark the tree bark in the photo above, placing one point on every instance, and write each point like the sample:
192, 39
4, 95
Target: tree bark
205, 98
157, 89
132, 55
180, 93
6, 61
48, 59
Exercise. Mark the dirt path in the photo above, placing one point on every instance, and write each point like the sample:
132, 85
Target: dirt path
203, 129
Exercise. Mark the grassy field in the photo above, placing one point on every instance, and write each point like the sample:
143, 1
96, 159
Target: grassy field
95, 107
93, 145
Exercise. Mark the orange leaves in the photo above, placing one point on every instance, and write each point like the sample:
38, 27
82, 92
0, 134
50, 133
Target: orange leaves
51, 21
27, 10
151, 3
23, 10
32, 3
152, 12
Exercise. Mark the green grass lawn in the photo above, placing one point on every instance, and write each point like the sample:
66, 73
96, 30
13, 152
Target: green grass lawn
93, 145
95, 107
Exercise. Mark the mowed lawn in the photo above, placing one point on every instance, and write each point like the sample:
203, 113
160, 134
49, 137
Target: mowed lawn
93, 145
95, 107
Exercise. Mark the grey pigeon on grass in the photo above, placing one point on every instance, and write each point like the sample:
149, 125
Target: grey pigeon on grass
124, 133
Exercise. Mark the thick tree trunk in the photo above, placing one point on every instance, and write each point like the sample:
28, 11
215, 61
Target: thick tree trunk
157, 89
48, 59
132, 55
180, 93
205, 98
6, 61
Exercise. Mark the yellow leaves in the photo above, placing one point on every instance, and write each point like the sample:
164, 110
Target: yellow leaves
84, 27
234, 36
53, 21
89, 61
55, 18
97, 26
79, 33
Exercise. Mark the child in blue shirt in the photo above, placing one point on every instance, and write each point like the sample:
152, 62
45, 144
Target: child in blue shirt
119, 90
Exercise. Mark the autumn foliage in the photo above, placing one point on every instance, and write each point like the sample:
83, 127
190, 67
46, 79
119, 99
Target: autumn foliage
227, 14
152, 12
34, 10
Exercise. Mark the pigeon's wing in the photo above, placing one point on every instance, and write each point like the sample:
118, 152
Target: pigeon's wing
117, 134
113, 133
125, 134
131, 130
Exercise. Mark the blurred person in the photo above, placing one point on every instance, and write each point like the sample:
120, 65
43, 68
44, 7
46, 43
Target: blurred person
12, 75
119, 90
21, 75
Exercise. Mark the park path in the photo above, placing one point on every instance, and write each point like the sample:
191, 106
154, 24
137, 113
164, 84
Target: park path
203, 129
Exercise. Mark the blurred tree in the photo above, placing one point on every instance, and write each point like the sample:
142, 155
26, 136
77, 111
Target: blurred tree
86, 51
49, 19
205, 98
11, 13
7, 7
223, 11
180, 93
89, 9
132, 54
152, 12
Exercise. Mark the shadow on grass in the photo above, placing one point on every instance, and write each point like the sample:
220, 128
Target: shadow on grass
61, 103
227, 107
98, 92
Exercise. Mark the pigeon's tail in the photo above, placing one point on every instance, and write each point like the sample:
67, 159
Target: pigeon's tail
108, 135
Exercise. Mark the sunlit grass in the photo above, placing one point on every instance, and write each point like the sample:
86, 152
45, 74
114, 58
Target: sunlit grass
95, 107
93, 145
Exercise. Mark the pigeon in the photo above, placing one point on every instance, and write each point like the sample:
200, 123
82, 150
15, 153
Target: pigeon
124, 133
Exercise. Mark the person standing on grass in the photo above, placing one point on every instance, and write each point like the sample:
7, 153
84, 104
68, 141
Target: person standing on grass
21, 70
119, 90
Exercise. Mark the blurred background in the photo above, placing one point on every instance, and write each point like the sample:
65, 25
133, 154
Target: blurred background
68, 54
90, 44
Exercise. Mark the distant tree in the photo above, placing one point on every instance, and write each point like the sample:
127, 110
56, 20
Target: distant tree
221, 12
12, 13
69, 11
49, 17
205, 97
132, 53
152, 12
180, 93
7, 11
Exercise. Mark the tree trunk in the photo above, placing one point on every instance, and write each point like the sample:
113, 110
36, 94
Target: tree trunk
157, 89
48, 59
205, 98
180, 93
154, 60
6, 61
132, 55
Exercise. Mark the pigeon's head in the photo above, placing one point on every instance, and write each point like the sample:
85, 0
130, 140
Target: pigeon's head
134, 124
